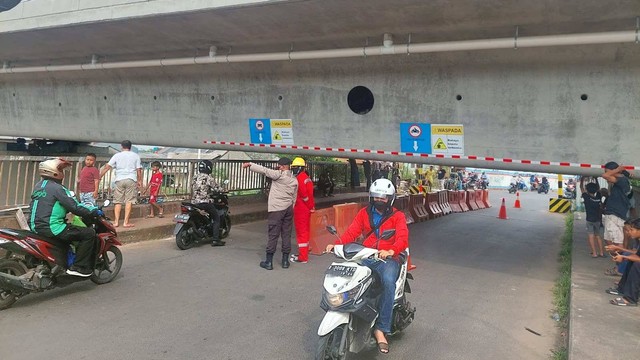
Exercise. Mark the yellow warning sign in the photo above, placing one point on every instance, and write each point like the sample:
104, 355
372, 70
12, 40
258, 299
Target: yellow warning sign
277, 136
447, 130
280, 123
440, 145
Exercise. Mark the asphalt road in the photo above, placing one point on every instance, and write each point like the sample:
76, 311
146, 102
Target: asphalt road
480, 281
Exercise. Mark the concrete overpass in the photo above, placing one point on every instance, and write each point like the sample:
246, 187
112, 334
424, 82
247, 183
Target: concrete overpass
556, 84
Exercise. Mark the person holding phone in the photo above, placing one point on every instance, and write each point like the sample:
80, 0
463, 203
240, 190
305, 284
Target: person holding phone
628, 288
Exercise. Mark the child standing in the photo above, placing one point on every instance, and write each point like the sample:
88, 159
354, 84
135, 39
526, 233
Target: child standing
592, 205
88, 180
154, 189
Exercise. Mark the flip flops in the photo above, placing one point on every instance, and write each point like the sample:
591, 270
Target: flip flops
383, 348
612, 291
622, 302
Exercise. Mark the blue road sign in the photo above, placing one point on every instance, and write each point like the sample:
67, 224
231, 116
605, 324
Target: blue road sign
415, 138
260, 130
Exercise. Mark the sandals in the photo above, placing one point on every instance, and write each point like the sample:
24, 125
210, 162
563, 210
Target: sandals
612, 272
612, 291
383, 348
622, 302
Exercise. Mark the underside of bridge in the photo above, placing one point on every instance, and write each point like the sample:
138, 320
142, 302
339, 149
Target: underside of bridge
575, 103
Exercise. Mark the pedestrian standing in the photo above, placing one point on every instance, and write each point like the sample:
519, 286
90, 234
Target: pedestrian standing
89, 180
128, 180
367, 172
617, 206
592, 205
305, 205
442, 173
154, 190
282, 195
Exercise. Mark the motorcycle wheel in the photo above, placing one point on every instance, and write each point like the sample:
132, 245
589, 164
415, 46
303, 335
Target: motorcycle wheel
108, 266
329, 345
10, 267
184, 240
225, 230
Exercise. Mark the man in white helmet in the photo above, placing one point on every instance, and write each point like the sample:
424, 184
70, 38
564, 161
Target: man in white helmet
371, 222
50, 202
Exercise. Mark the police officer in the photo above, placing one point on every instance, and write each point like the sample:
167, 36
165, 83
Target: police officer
202, 186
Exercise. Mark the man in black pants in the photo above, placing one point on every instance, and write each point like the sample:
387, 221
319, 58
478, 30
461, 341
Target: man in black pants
50, 202
282, 196
629, 286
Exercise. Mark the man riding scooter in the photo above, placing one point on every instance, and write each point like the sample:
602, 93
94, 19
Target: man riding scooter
371, 222
50, 203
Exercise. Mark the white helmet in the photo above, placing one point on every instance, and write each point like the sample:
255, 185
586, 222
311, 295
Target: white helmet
53, 168
383, 188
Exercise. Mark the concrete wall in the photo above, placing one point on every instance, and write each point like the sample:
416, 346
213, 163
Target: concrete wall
521, 104
31, 15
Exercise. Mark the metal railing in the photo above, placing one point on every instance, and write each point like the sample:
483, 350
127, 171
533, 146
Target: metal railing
19, 174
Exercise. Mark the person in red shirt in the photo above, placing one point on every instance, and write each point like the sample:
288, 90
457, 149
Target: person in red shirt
88, 181
305, 205
154, 189
371, 222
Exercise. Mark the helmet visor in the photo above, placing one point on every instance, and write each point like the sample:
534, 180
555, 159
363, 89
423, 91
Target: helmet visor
375, 194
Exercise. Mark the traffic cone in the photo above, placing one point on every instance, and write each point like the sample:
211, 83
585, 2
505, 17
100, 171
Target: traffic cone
503, 211
517, 204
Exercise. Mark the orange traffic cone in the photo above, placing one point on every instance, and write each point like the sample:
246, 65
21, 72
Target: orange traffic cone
503, 211
517, 204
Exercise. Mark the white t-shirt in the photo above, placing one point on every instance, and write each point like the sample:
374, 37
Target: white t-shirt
126, 165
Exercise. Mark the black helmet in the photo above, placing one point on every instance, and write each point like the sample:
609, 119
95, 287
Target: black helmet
205, 167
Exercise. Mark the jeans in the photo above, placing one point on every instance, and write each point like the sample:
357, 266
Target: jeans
87, 199
388, 273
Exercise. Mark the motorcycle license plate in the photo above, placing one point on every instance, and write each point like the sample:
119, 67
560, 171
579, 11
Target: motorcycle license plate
341, 270
181, 218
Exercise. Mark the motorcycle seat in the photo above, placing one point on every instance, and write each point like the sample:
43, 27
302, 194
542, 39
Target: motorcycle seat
23, 234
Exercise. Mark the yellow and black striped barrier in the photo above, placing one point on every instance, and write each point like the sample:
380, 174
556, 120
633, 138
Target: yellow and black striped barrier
559, 205
414, 189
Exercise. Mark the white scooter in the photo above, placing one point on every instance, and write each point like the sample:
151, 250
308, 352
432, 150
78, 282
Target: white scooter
350, 298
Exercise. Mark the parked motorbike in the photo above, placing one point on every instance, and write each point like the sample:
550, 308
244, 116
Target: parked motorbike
34, 263
193, 224
350, 298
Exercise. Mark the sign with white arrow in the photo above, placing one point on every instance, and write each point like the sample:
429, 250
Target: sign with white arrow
260, 131
415, 138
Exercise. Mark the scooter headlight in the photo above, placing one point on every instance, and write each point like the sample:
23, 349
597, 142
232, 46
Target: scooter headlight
342, 298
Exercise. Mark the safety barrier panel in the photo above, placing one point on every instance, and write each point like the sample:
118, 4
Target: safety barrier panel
485, 198
319, 236
454, 201
402, 204
344, 215
471, 200
479, 203
432, 206
559, 205
462, 198
417, 209
443, 202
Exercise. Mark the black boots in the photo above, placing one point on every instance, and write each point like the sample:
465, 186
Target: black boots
217, 243
285, 260
268, 263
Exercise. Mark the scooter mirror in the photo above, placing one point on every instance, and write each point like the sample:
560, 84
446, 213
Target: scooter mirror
332, 229
106, 203
387, 234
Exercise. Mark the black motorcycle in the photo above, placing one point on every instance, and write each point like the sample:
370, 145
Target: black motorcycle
513, 188
543, 188
193, 224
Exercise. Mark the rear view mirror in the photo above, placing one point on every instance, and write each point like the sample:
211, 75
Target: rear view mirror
387, 234
332, 229
106, 203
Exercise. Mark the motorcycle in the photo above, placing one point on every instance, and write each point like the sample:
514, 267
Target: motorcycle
513, 188
543, 188
484, 184
34, 263
522, 186
193, 224
570, 191
350, 299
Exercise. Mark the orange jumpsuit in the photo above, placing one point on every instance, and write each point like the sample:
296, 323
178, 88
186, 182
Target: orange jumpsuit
302, 214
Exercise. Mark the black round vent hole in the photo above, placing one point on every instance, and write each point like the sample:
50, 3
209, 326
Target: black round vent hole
360, 100
584, 97
458, 97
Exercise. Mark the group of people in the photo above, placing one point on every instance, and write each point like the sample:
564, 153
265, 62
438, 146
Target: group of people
291, 201
608, 219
